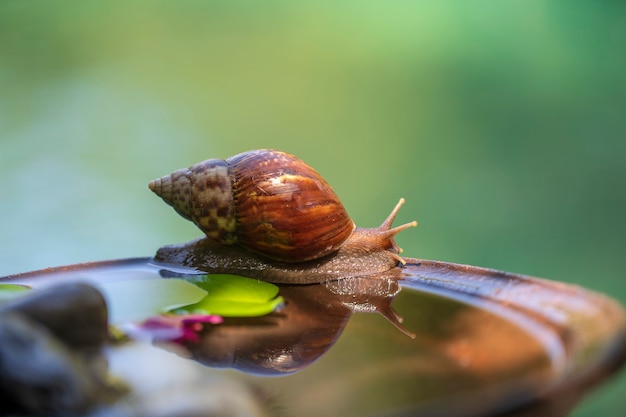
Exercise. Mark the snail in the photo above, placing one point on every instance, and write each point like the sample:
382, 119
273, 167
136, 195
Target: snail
269, 215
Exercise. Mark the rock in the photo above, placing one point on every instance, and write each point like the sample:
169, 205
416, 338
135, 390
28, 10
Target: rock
52, 363
39, 375
51, 360
74, 313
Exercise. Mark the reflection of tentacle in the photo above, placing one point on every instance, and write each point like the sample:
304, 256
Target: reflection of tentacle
372, 294
394, 318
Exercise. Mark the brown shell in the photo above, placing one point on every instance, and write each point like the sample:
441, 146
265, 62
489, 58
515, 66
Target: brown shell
202, 194
267, 201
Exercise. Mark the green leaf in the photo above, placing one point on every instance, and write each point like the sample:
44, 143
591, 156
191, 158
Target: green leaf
8, 291
233, 296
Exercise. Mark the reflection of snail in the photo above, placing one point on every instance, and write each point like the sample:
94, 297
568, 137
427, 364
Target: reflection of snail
276, 206
311, 321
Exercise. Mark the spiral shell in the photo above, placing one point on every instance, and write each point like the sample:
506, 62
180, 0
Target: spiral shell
267, 201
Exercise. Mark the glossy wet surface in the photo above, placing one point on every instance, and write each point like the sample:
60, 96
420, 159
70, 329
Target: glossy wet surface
433, 336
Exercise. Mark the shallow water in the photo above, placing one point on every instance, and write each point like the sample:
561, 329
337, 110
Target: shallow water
444, 337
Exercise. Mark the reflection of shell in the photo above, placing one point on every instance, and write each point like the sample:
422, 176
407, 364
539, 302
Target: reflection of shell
267, 201
280, 343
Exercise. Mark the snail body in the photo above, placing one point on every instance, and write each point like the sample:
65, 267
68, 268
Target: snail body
283, 214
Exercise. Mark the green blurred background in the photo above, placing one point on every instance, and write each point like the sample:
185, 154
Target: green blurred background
502, 124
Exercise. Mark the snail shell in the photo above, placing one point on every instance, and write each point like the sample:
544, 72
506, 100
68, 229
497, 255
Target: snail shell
283, 212
267, 201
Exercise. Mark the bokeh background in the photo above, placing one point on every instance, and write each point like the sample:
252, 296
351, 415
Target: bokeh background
503, 124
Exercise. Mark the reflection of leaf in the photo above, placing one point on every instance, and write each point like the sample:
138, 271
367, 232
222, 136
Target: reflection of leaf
8, 291
232, 295
138, 299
